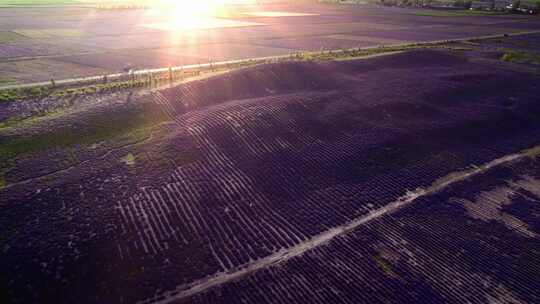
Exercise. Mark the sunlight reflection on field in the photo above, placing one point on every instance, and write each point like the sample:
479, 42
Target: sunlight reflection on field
198, 23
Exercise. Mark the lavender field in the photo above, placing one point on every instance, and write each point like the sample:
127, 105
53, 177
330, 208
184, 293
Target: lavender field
404, 178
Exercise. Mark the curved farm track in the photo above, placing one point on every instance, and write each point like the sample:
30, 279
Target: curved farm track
397, 179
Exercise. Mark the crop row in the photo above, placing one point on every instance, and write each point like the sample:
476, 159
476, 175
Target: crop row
433, 252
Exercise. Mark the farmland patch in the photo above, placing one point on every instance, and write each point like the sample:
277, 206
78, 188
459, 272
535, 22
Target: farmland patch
63, 33
137, 59
38, 2
278, 14
367, 39
522, 57
228, 51
456, 13
418, 256
238, 172
303, 181
48, 33
199, 24
315, 43
45, 69
7, 37
488, 206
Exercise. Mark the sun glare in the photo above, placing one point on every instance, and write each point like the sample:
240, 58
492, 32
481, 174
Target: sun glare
198, 7
188, 14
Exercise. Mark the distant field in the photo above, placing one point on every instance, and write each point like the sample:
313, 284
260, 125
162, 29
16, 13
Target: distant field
90, 38
6, 37
10, 3
460, 13
48, 33
36, 2
6, 81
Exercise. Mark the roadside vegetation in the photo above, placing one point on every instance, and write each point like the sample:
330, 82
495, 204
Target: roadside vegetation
456, 13
7, 37
7, 81
457, 8
171, 76
139, 81
150, 80
521, 57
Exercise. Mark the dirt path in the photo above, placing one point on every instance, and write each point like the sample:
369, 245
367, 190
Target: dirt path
327, 236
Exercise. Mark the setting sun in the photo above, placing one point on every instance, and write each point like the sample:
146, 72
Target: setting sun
191, 15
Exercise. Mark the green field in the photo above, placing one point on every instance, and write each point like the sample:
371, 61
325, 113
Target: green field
6, 37
7, 81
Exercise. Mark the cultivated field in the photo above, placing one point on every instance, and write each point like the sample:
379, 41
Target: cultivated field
74, 41
411, 177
